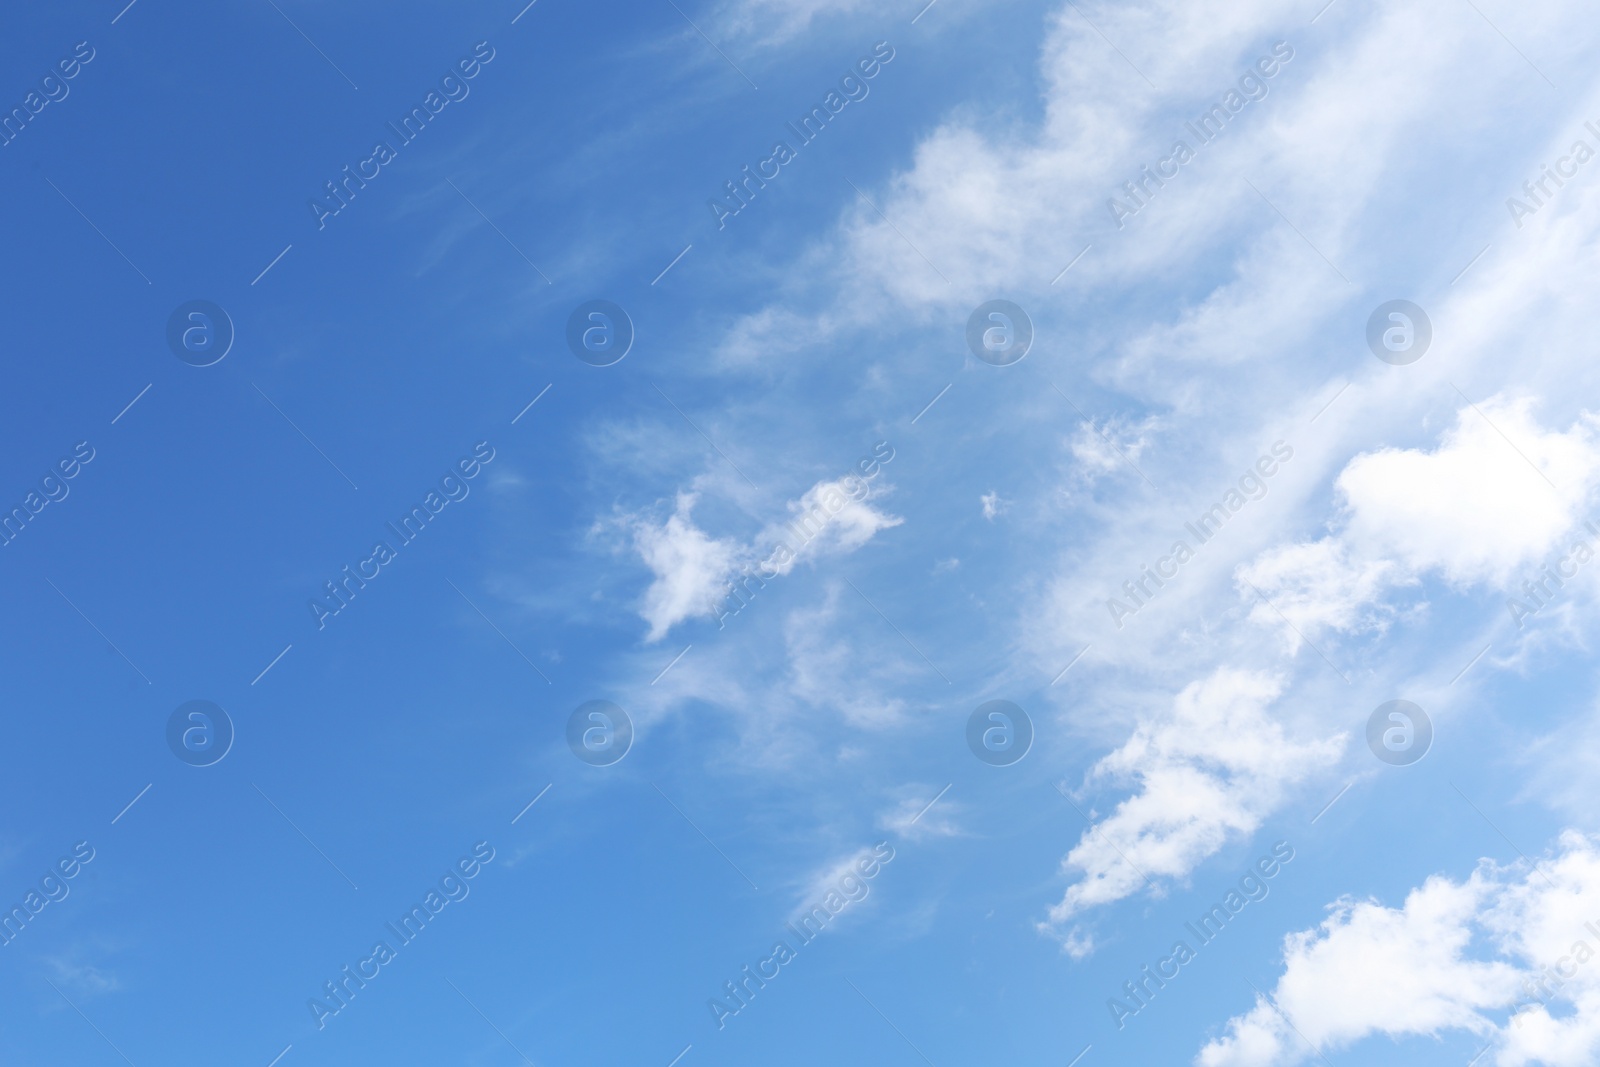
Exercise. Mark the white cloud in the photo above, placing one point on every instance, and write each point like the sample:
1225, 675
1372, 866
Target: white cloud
1473, 508
912, 817
1318, 586
1490, 956
1205, 774
690, 568
992, 505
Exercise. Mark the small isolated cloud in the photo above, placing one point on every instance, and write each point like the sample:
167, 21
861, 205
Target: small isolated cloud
842, 884
992, 505
692, 570
1206, 773
83, 978
690, 567
916, 814
1508, 956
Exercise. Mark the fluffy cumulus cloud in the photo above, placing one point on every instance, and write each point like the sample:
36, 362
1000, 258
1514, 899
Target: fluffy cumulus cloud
693, 572
1205, 774
1497, 495
1508, 955
1476, 508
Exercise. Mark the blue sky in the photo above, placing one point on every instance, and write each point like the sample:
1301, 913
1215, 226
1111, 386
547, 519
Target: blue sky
915, 530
